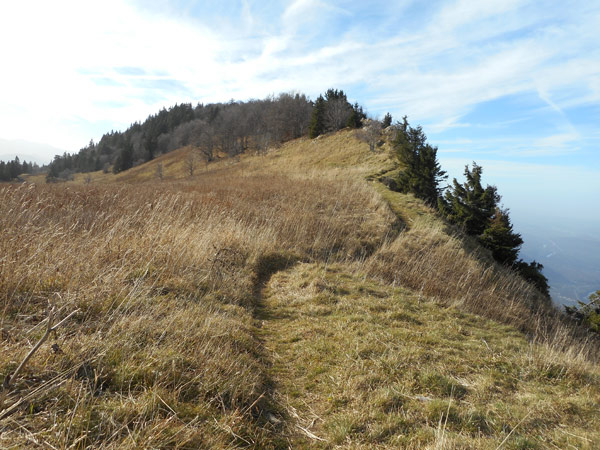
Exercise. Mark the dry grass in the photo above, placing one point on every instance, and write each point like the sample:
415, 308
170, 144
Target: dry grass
442, 263
168, 348
382, 367
162, 350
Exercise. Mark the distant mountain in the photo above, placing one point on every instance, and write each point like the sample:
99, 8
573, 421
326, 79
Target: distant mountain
28, 151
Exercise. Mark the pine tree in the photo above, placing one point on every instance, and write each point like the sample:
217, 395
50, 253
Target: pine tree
422, 172
387, 120
500, 238
476, 209
587, 314
356, 116
470, 204
317, 121
532, 272
125, 159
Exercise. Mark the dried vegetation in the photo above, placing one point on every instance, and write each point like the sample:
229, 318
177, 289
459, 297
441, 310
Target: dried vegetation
171, 344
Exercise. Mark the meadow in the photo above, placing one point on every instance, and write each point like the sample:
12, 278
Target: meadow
286, 299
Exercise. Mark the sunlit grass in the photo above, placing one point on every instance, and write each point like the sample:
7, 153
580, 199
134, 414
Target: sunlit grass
274, 300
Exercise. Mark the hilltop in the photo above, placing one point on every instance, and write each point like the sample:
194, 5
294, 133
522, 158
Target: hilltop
281, 299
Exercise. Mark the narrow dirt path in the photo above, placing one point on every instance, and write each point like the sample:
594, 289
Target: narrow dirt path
276, 323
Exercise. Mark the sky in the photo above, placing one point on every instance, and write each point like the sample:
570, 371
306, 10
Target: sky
511, 84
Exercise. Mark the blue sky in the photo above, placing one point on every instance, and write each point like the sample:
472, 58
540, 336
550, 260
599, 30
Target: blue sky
511, 84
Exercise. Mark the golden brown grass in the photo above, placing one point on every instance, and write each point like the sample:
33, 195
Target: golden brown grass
162, 351
172, 343
382, 367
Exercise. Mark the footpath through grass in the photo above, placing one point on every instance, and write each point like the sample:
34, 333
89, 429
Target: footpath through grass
355, 364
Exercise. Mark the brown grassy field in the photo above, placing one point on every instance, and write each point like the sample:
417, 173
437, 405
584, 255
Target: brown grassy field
182, 338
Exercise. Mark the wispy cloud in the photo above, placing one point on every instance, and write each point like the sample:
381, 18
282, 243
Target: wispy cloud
434, 62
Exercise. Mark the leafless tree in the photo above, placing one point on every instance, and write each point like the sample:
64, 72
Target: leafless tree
337, 113
190, 162
159, 171
370, 133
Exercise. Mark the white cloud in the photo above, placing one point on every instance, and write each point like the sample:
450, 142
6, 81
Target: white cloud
60, 73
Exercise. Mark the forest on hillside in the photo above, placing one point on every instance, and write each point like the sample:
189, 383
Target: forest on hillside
10, 170
227, 129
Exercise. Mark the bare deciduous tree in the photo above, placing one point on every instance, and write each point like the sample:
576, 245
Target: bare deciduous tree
190, 162
370, 133
337, 113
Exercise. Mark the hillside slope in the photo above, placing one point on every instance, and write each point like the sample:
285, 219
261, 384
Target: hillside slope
286, 299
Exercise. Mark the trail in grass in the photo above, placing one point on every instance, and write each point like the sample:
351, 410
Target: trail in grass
319, 332
355, 364
279, 331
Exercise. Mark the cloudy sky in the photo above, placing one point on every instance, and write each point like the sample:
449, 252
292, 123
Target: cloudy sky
512, 84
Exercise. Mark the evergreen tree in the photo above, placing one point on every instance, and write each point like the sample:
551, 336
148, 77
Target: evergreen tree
422, 172
470, 204
387, 120
356, 116
587, 314
317, 121
532, 272
476, 209
125, 159
500, 238
4, 176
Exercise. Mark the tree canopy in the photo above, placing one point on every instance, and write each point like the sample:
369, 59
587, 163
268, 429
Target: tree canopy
476, 209
470, 204
333, 112
422, 172
10, 170
231, 128
587, 314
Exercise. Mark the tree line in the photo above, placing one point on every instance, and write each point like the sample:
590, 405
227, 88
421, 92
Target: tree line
215, 129
10, 170
471, 206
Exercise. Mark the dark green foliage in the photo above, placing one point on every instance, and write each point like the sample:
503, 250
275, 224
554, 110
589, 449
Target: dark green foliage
532, 272
469, 204
356, 116
476, 209
422, 172
500, 238
317, 121
11, 170
125, 159
387, 120
333, 112
587, 314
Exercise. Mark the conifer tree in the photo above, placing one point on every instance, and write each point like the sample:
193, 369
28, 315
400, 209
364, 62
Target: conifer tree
422, 171
470, 204
356, 116
532, 272
317, 121
587, 314
125, 159
476, 209
387, 120
500, 238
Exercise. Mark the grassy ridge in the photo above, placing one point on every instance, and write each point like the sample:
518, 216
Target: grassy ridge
181, 333
162, 351
382, 367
